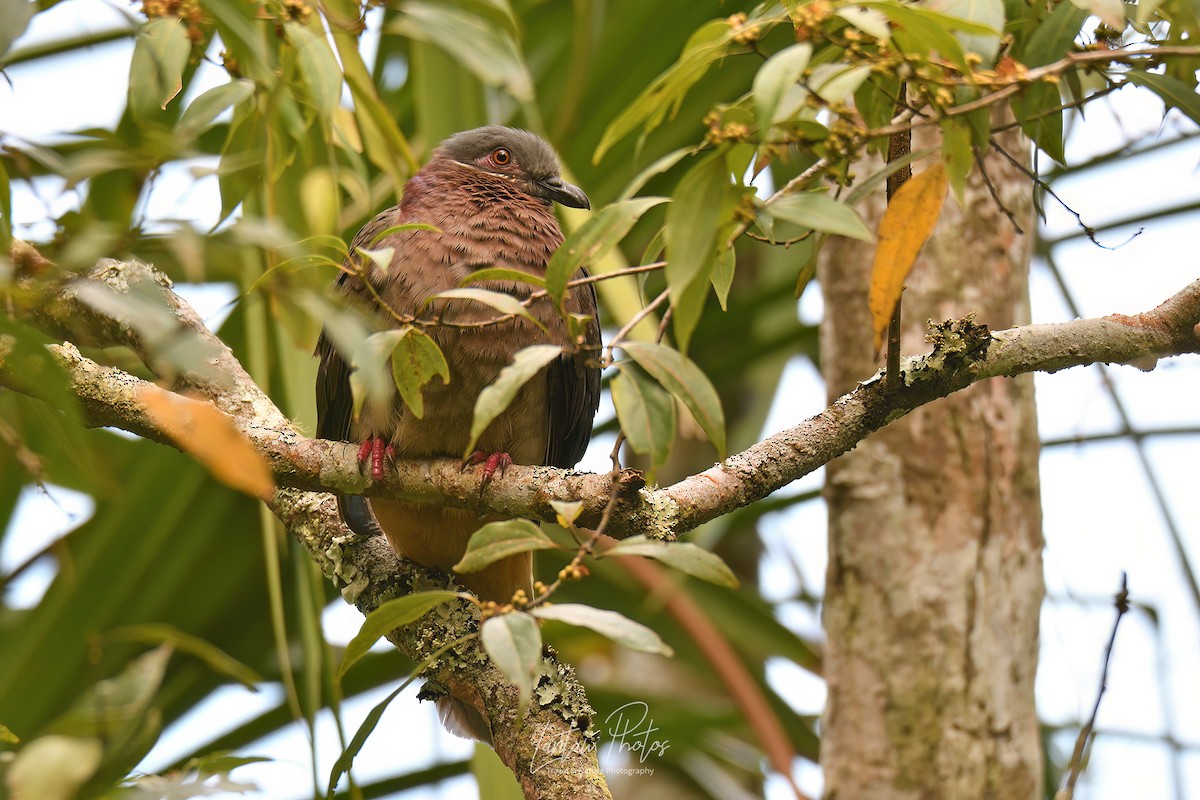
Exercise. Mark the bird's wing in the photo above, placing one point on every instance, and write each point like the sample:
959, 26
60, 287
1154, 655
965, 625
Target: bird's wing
574, 392
334, 401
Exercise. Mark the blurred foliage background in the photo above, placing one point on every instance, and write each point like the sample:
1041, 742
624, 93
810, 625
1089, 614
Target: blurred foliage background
247, 145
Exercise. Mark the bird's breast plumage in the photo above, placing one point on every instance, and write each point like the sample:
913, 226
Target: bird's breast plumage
481, 221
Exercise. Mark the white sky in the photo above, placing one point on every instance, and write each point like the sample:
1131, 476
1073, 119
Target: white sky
1100, 517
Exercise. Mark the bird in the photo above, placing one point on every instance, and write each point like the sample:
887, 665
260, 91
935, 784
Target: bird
487, 198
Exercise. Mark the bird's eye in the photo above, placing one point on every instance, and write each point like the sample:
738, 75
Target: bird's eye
501, 156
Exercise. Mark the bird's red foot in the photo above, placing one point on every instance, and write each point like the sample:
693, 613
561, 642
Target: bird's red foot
375, 450
491, 463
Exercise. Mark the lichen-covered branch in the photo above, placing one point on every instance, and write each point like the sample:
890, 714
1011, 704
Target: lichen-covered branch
552, 752
963, 354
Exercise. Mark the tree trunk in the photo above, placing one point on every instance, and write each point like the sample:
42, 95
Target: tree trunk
935, 575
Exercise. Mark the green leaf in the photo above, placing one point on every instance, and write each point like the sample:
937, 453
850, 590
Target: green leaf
617, 627
702, 203
774, 78
657, 167
416, 360
956, 153
1044, 127
665, 93
686, 382
370, 379
1110, 12
646, 412
200, 113
593, 240
867, 20
53, 767
864, 186
498, 540
496, 398
1054, 37
514, 643
489, 51
836, 83
346, 759
160, 54
1174, 92
722, 275
381, 258
683, 556
506, 275
5, 211
386, 618
116, 707
408, 226
926, 33
989, 13
501, 301
320, 69
820, 212
567, 512
214, 657
14, 19
494, 779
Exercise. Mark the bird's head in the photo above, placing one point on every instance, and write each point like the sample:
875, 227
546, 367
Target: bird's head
516, 155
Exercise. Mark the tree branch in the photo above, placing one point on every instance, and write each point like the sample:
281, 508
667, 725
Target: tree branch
551, 749
963, 354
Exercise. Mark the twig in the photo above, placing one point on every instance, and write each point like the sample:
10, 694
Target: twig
1121, 601
899, 147
634, 320
1032, 76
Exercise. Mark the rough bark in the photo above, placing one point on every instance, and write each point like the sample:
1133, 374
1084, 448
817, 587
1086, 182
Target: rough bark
934, 580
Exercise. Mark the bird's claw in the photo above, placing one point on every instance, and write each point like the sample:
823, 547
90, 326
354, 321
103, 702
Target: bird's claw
491, 463
375, 450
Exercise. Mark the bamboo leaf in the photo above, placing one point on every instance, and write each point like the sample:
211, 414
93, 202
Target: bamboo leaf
665, 94
320, 69
489, 51
905, 226
201, 112
14, 19
214, 657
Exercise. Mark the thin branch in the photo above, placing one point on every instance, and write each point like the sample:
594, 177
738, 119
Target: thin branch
108, 397
1033, 76
1121, 601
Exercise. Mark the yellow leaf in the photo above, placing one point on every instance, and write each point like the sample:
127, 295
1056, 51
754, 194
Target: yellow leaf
906, 224
203, 432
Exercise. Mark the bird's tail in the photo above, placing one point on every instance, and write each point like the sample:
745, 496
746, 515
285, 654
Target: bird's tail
437, 537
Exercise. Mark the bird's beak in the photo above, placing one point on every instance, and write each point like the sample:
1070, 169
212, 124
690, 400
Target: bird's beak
559, 191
